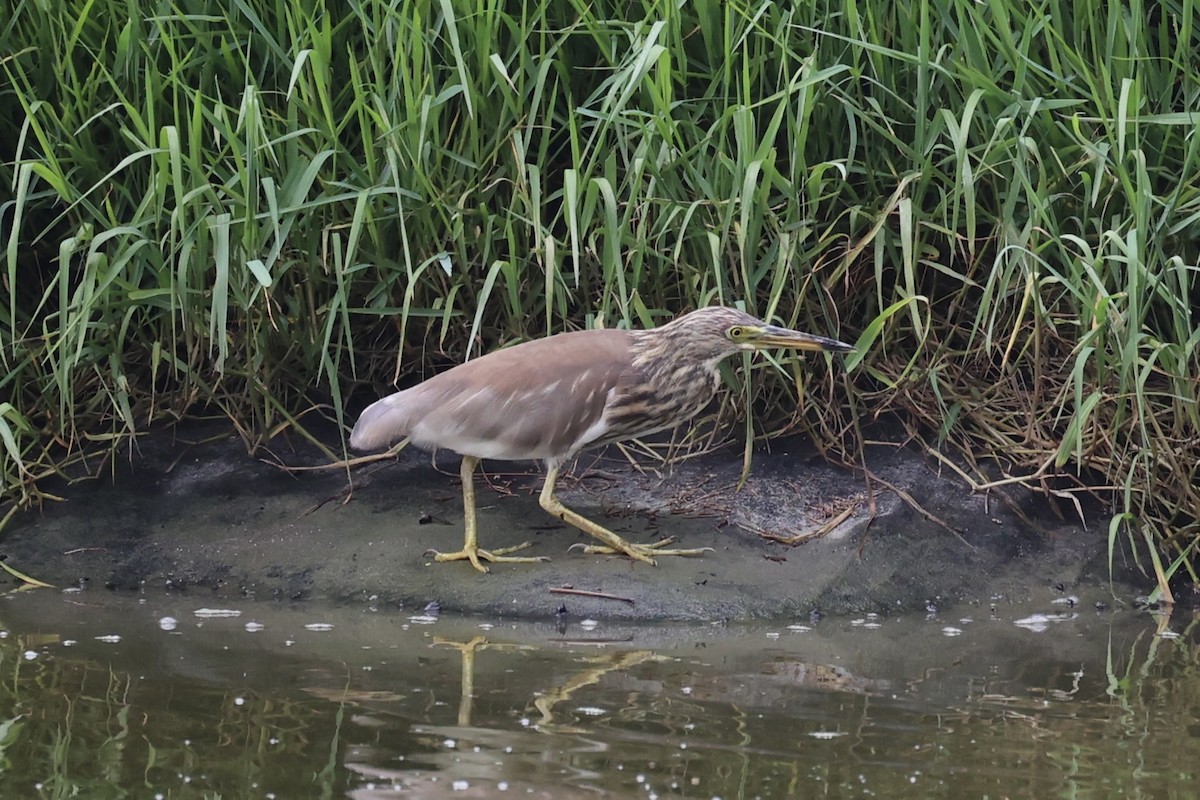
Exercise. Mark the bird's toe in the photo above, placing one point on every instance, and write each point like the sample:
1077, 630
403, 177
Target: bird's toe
640, 552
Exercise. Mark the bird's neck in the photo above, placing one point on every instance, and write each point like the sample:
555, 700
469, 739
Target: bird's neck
664, 388
667, 361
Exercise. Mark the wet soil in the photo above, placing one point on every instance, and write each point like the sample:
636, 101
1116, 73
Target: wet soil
191, 510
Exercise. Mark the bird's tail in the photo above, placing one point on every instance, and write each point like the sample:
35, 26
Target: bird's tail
381, 424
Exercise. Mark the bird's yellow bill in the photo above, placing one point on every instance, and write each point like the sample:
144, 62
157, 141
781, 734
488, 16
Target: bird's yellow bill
771, 336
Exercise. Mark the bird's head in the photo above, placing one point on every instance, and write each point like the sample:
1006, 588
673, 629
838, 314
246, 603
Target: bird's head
714, 332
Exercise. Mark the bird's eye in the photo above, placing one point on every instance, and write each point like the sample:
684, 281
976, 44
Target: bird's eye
736, 333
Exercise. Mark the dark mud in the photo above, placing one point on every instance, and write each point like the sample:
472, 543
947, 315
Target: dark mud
194, 512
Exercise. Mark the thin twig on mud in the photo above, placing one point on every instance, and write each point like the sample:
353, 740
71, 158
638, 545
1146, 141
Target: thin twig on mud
586, 593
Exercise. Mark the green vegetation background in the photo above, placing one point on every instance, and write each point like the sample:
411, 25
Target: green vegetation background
258, 209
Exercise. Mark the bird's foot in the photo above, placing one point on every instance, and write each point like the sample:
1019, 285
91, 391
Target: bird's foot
639, 552
476, 554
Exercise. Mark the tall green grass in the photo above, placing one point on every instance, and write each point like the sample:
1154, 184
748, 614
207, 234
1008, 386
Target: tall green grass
256, 210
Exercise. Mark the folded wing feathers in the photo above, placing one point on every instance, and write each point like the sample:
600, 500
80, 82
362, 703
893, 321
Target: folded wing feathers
501, 405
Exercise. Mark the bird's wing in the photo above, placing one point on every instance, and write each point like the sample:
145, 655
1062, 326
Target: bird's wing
541, 399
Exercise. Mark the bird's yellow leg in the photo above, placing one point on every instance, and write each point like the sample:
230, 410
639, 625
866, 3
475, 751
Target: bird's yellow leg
613, 544
471, 551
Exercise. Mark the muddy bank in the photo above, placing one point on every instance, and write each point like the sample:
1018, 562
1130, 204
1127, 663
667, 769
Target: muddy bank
190, 511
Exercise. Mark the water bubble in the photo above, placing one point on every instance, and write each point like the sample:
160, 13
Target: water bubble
216, 613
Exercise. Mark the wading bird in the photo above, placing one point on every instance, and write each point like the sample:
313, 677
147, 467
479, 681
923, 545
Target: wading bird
547, 399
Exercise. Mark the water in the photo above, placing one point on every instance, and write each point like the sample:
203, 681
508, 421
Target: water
183, 696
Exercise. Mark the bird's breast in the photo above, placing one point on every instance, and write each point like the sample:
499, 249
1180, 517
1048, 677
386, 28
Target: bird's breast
657, 403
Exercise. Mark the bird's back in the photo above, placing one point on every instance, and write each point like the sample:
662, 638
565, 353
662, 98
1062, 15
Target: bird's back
541, 399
